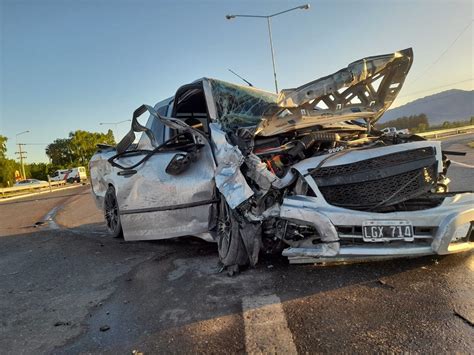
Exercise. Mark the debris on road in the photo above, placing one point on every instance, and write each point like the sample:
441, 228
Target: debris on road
60, 323
104, 328
385, 284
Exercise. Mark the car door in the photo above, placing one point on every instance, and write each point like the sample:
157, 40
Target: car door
155, 204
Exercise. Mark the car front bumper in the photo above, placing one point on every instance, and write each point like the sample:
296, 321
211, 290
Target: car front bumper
444, 229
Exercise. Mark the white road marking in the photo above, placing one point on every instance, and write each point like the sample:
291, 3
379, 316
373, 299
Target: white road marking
266, 328
462, 164
49, 218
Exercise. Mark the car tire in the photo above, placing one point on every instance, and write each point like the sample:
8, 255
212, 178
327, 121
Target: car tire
111, 214
229, 242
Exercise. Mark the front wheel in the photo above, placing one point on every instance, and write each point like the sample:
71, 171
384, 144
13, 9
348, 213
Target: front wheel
111, 213
229, 242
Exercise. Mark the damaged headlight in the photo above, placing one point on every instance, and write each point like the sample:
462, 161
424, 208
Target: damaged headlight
463, 231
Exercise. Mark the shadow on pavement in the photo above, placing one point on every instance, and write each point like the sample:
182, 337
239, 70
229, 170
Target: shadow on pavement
150, 292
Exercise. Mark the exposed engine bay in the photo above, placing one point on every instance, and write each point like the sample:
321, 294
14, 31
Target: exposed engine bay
328, 143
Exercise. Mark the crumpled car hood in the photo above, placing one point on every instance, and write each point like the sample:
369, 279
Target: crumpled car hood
363, 90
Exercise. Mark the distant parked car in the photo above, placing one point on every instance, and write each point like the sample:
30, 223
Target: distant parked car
29, 182
394, 130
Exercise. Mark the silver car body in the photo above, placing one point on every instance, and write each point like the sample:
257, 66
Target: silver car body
156, 205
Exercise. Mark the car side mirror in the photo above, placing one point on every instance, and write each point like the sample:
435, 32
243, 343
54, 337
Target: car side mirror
181, 162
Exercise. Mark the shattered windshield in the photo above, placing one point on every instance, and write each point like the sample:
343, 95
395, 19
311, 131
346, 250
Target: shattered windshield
240, 106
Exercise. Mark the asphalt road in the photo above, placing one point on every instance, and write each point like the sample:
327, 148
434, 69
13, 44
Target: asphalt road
65, 287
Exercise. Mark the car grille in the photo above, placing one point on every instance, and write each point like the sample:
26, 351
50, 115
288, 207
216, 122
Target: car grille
374, 163
378, 182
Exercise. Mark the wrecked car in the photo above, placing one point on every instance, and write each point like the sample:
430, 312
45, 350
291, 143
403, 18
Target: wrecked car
303, 173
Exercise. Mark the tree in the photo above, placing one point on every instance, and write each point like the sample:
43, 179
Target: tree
78, 148
3, 146
59, 152
7, 166
39, 171
413, 122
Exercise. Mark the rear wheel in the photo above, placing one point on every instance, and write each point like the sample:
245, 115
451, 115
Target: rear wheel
231, 247
111, 213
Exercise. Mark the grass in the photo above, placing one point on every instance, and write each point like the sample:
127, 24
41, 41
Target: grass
471, 144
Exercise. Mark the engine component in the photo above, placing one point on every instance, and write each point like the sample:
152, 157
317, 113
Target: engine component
277, 165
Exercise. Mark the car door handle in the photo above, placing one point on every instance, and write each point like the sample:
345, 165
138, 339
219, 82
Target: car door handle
127, 172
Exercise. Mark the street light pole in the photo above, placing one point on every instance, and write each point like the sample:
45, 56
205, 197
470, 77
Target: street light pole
273, 53
268, 17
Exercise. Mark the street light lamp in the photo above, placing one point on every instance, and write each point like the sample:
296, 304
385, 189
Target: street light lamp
113, 123
268, 17
16, 136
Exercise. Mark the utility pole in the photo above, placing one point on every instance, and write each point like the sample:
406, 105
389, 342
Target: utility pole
21, 152
22, 156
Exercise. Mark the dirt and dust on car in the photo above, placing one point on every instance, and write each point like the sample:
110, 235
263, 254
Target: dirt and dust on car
303, 173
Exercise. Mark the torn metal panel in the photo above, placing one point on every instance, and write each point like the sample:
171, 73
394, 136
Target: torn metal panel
295, 209
363, 90
229, 179
364, 71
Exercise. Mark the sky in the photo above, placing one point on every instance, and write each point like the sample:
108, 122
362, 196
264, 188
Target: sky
71, 64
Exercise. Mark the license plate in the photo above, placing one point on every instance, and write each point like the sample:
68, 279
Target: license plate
383, 231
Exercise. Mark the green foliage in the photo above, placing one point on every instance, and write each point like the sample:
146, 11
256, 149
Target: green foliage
3, 146
39, 171
7, 171
60, 152
7, 166
77, 149
415, 123
453, 124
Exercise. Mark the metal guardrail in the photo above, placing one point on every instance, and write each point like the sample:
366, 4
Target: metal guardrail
447, 132
19, 190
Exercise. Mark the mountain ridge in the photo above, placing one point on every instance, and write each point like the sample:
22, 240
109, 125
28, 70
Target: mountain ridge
449, 105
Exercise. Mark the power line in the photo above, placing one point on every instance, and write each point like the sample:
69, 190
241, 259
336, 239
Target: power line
443, 53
